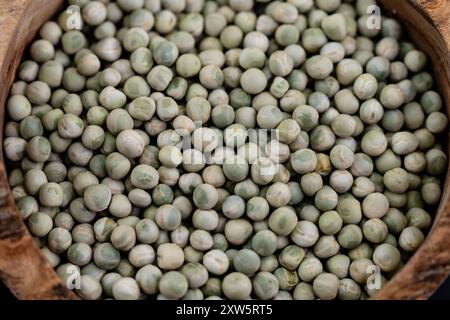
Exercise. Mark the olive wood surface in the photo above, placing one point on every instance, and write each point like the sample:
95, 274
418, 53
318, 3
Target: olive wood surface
23, 269
26, 272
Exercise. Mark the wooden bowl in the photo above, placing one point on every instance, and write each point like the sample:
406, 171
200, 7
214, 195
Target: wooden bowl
29, 276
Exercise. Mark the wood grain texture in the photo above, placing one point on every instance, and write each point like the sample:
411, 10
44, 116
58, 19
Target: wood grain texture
428, 25
29, 276
22, 268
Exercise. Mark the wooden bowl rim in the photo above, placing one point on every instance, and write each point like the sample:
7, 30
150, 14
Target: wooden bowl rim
18, 250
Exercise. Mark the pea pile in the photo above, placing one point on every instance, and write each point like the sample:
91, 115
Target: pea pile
141, 153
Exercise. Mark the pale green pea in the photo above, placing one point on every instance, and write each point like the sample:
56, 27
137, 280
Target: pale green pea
319, 67
313, 39
365, 86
